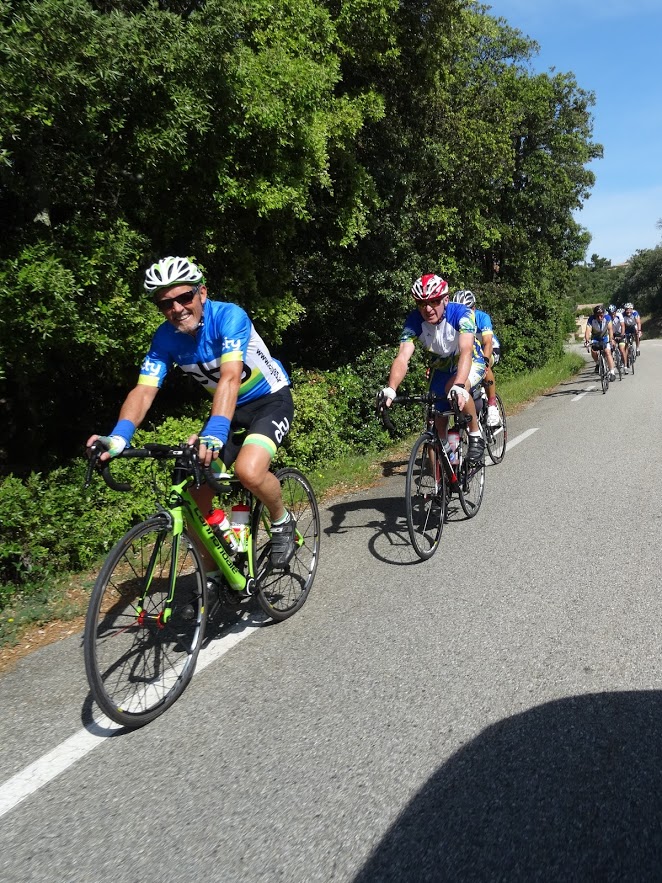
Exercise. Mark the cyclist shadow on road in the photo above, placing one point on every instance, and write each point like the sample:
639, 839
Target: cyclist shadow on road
385, 518
571, 790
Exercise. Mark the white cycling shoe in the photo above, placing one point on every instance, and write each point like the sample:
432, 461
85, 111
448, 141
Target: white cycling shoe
493, 418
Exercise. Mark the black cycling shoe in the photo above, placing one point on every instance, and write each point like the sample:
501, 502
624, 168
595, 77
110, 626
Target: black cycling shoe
283, 542
476, 450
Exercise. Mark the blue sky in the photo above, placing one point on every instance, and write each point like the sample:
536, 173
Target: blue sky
614, 48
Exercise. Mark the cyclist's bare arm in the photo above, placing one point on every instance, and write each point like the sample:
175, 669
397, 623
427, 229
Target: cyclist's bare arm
466, 344
224, 403
135, 408
487, 345
400, 366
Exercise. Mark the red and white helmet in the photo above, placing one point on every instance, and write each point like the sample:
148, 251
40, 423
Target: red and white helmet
429, 287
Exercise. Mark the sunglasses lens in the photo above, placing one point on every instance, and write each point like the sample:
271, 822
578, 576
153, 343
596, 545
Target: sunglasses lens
181, 299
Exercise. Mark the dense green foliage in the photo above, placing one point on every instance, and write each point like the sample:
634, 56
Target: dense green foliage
642, 281
314, 156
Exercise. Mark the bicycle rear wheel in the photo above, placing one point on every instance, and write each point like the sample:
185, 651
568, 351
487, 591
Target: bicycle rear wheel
497, 436
470, 479
138, 656
425, 497
283, 591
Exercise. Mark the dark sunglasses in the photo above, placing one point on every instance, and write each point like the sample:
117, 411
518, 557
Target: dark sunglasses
182, 299
430, 303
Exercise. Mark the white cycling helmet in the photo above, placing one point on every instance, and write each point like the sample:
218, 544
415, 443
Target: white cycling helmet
466, 297
171, 271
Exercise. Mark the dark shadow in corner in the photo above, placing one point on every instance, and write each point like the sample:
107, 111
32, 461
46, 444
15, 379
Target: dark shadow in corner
569, 791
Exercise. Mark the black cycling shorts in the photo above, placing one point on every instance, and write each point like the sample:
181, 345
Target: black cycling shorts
264, 422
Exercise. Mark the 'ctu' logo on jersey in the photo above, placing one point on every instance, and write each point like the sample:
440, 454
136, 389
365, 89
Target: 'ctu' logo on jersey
282, 429
149, 367
229, 343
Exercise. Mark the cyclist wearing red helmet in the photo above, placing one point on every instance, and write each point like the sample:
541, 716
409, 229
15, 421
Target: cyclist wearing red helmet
448, 331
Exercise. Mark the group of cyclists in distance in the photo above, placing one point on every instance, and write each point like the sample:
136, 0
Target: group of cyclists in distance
612, 328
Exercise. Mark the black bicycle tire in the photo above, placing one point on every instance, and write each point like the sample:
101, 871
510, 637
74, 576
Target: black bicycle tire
633, 356
604, 379
490, 443
618, 362
134, 662
468, 472
271, 584
417, 460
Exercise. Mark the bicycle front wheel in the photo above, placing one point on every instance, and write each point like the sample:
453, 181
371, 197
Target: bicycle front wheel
145, 623
604, 374
632, 353
283, 591
425, 497
470, 480
497, 436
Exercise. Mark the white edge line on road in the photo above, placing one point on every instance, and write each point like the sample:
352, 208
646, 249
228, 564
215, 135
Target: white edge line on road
50, 765
520, 438
582, 394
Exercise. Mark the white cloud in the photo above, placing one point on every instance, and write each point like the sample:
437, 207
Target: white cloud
621, 223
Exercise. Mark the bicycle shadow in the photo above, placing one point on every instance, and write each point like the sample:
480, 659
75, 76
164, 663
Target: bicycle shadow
570, 790
387, 519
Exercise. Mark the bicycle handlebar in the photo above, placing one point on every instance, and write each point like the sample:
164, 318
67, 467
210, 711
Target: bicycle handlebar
426, 398
154, 451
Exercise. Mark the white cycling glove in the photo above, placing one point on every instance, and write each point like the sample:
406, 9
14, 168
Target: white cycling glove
388, 393
460, 391
114, 443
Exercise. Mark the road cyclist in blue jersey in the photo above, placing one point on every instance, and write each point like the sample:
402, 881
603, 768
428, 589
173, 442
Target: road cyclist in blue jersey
599, 335
632, 321
491, 348
448, 332
618, 331
216, 343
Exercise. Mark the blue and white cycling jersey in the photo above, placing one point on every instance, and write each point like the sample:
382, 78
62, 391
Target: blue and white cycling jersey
443, 339
225, 334
618, 325
484, 323
600, 329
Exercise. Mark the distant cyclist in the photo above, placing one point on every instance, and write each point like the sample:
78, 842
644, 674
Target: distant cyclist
448, 331
491, 350
632, 323
600, 336
618, 331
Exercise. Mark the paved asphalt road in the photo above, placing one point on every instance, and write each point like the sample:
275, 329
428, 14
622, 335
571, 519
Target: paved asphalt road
492, 714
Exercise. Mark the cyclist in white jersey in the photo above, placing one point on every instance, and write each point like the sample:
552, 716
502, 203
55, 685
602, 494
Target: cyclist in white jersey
251, 411
618, 330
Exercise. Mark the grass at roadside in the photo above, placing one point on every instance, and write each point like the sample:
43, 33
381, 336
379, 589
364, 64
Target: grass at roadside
45, 617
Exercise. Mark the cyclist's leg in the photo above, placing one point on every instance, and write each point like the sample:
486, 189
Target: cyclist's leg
490, 383
268, 422
609, 358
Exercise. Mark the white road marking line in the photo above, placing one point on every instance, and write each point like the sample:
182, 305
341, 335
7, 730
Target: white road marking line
519, 438
582, 394
50, 765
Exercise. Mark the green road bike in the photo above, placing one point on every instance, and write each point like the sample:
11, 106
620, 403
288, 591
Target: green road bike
150, 604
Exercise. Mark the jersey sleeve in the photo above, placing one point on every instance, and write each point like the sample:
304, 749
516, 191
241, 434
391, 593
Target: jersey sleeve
156, 363
412, 328
235, 334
